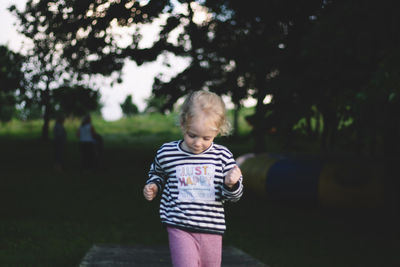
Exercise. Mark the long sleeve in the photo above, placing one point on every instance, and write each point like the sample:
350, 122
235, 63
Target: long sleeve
235, 193
157, 175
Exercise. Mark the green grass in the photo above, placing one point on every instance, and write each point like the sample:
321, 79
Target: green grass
52, 219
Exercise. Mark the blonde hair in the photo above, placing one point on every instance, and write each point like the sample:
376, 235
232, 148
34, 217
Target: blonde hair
210, 104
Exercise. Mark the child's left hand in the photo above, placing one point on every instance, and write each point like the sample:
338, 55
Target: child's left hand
233, 176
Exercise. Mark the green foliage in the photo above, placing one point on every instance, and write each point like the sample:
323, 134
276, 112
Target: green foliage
30, 111
75, 101
128, 107
11, 75
156, 104
11, 80
7, 106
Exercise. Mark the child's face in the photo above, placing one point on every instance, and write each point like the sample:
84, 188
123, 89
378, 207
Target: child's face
199, 135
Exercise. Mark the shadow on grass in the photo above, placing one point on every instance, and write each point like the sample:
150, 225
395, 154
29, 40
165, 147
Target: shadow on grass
52, 219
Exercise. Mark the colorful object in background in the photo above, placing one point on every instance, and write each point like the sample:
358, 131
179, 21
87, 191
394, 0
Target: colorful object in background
328, 182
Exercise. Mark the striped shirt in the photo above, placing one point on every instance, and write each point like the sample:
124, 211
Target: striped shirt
192, 186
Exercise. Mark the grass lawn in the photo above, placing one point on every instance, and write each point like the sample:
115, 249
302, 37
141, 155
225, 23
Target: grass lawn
52, 219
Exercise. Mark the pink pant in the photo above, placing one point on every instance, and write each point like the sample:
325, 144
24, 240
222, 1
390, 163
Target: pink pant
194, 249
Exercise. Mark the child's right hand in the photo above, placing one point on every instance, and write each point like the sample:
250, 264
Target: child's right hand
150, 191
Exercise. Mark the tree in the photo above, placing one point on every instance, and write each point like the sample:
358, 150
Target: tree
254, 39
232, 51
76, 101
313, 58
128, 107
45, 67
12, 82
84, 31
71, 39
343, 53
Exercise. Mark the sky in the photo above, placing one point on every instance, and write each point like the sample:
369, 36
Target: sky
137, 80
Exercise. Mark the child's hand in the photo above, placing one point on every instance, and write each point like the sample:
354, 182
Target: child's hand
150, 191
233, 176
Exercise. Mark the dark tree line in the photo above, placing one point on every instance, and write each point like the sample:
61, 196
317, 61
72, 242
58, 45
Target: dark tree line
325, 63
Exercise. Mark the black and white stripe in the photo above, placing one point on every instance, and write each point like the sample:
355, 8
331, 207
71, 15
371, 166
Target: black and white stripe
195, 216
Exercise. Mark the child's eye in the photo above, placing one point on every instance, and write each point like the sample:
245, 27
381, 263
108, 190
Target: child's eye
191, 135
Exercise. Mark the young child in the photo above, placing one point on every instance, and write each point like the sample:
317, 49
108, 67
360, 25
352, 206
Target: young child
195, 177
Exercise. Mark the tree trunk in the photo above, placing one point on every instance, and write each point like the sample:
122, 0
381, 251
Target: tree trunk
258, 122
318, 124
332, 135
46, 116
309, 130
329, 130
